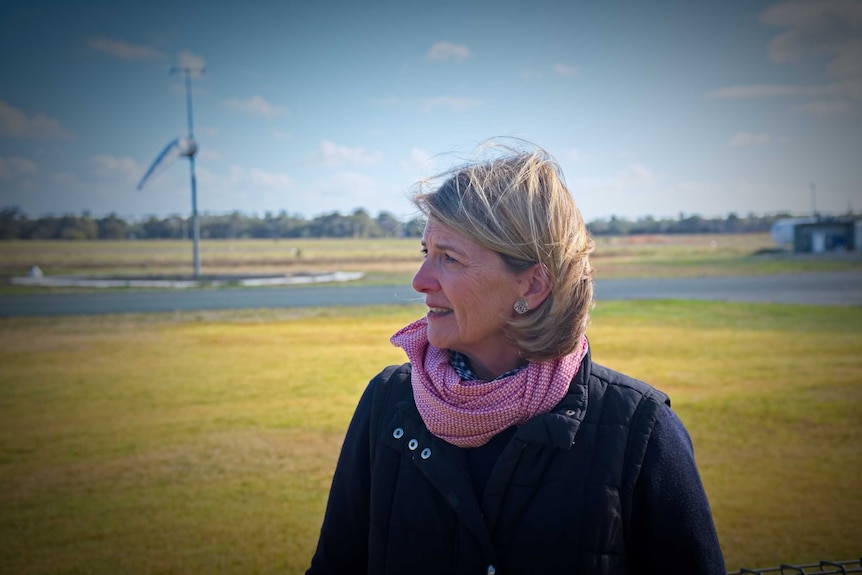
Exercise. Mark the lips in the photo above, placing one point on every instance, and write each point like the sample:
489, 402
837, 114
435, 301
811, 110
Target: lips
438, 310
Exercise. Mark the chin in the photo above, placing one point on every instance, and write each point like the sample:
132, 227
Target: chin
437, 339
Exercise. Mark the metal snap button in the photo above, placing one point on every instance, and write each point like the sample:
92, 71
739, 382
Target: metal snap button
398, 433
413, 444
570, 412
426, 453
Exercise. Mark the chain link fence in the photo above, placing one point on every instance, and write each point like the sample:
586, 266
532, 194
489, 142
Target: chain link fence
821, 568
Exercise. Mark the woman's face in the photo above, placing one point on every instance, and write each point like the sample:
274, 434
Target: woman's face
469, 292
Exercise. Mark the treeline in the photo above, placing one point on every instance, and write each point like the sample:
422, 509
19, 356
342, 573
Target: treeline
14, 224
692, 224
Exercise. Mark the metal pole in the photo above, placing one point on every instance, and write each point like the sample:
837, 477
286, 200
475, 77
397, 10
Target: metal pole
813, 200
188, 72
196, 228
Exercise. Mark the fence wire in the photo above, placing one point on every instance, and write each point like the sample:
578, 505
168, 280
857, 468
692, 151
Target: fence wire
821, 568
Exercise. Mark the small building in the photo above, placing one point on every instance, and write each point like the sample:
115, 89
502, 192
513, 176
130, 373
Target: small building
827, 235
782, 230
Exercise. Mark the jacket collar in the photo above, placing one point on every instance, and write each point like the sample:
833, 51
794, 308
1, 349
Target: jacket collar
559, 427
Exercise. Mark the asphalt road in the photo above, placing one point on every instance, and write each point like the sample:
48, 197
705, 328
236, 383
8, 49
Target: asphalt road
840, 288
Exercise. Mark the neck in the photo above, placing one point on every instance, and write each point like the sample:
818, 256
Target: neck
487, 371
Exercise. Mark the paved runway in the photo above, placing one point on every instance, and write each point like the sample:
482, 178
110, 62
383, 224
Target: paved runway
834, 288
838, 288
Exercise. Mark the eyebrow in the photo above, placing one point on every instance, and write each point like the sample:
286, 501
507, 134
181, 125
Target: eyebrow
445, 248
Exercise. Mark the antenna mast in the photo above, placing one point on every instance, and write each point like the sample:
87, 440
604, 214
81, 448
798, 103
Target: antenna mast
196, 233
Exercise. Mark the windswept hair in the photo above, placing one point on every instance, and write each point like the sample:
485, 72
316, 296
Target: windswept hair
517, 205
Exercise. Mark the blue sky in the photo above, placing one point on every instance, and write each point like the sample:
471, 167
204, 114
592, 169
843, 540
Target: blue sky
651, 108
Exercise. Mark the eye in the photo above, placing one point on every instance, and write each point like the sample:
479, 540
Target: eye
449, 259
424, 252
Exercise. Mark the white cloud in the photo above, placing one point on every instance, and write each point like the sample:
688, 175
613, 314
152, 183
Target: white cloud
559, 69
277, 180
822, 100
260, 190
15, 123
17, 169
345, 191
351, 183
574, 155
633, 189
757, 91
64, 179
848, 61
101, 184
248, 189
448, 51
205, 154
419, 162
456, 104
241, 179
824, 108
388, 102
256, 105
565, 70
719, 198
186, 59
813, 29
124, 50
822, 26
748, 139
331, 154
636, 175
111, 167
427, 104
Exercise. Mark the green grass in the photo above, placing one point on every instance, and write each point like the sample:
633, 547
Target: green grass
204, 442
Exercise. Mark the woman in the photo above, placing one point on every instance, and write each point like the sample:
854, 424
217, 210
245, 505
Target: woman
501, 447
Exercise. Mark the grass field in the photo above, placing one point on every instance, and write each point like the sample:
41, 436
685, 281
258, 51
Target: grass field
392, 260
198, 443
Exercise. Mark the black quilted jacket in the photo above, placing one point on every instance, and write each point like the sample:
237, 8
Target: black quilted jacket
605, 483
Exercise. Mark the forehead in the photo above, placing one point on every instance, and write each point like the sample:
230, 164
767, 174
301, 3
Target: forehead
438, 234
443, 238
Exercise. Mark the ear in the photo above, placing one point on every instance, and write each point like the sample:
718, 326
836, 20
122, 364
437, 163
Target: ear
537, 285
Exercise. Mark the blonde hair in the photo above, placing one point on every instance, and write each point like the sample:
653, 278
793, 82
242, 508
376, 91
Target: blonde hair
517, 205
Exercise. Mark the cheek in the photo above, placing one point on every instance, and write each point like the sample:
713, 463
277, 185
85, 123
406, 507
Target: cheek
486, 308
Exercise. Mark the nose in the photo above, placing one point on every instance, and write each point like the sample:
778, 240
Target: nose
424, 280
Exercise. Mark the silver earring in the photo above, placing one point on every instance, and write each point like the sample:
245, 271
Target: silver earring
521, 306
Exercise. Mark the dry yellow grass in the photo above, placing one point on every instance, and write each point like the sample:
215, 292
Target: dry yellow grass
394, 260
204, 442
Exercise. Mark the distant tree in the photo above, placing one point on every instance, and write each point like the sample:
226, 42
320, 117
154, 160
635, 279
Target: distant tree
414, 228
389, 224
364, 226
82, 227
230, 226
112, 228
13, 223
287, 226
359, 224
173, 227
732, 223
44, 228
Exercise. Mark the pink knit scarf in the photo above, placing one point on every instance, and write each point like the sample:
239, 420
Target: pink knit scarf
470, 413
